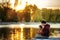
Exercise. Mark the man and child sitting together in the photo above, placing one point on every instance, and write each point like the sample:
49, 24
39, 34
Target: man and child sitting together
44, 30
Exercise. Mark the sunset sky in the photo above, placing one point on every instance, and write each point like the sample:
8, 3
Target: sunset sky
42, 3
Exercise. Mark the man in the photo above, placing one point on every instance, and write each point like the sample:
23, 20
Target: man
44, 30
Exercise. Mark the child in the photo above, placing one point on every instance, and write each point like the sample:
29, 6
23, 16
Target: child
38, 35
40, 29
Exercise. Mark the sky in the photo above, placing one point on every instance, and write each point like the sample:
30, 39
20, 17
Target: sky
47, 3
43, 3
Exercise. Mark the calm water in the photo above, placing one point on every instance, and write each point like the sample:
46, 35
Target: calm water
22, 33
25, 32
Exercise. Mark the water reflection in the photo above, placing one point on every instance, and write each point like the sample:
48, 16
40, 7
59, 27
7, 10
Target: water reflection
22, 33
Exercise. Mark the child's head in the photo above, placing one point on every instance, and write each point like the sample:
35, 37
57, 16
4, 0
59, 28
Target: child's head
40, 26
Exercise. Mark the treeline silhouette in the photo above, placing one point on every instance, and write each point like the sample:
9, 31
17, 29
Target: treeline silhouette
30, 13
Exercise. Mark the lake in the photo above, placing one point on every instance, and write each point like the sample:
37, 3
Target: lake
26, 31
